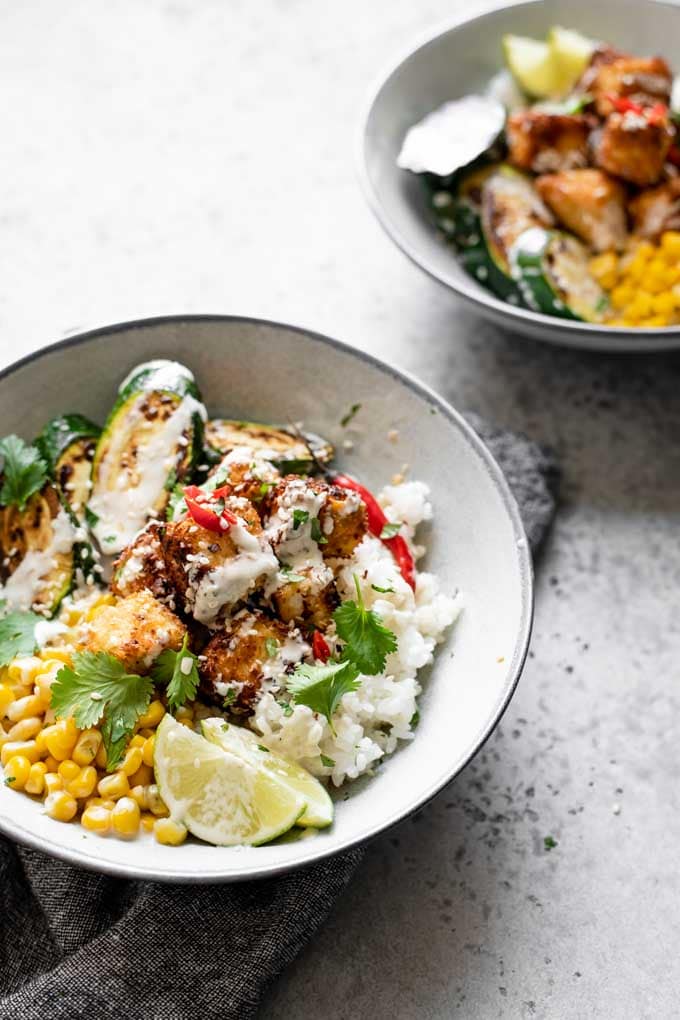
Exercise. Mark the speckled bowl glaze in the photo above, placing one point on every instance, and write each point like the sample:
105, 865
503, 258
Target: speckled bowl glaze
461, 59
267, 371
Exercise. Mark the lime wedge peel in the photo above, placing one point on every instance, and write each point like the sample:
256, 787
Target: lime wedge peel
245, 744
220, 797
548, 69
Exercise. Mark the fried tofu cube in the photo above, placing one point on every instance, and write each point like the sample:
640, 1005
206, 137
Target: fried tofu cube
344, 523
141, 566
633, 147
135, 630
548, 142
656, 209
309, 600
236, 660
588, 202
643, 80
307, 518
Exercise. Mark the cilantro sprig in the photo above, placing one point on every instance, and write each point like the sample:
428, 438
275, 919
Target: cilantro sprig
367, 640
17, 635
99, 690
178, 672
322, 687
24, 472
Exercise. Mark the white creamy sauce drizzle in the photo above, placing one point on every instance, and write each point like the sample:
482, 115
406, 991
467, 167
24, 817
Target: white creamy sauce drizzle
46, 630
122, 511
293, 650
452, 136
295, 546
231, 581
21, 589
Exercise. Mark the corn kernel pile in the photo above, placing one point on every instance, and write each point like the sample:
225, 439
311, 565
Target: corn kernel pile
51, 759
643, 284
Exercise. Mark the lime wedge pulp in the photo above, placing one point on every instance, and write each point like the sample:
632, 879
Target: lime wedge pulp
245, 744
221, 798
571, 52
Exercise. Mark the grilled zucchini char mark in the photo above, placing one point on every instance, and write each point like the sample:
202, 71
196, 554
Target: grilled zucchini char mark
150, 442
67, 445
552, 272
39, 553
288, 452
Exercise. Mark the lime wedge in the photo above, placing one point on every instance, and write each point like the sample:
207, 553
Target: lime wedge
243, 743
571, 53
532, 65
220, 797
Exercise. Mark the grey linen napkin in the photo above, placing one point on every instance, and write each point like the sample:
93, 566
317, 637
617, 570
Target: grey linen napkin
74, 944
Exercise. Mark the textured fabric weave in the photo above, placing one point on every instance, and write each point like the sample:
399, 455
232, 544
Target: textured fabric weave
74, 945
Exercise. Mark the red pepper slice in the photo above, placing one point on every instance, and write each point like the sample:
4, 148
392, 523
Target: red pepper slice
221, 493
203, 515
624, 105
320, 647
376, 522
657, 113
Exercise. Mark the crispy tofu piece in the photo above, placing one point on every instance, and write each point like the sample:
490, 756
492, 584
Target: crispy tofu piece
588, 202
309, 601
250, 478
342, 521
548, 142
602, 54
141, 566
634, 148
656, 209
236, 660
643, 80
135, 630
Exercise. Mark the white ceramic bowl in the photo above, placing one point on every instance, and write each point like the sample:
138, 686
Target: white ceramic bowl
459, 60
265, 371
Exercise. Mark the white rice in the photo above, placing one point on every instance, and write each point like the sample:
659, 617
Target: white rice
371, 721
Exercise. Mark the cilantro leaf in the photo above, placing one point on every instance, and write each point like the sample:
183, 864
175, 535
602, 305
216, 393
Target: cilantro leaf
549, 843
300, 517
322, 687
229, 697
271, 647
24, 472
368, 640
179, 672
290, 575
382, 591
17, 635
317, 533
390, 529
99, 687
285, 707
326, 761
346, 419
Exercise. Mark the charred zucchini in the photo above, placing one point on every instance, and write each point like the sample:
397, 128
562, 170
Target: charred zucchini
39, 553
290, 453
151, 441
67, 445
552, 272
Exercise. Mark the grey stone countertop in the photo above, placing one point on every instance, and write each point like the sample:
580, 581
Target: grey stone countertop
178, 156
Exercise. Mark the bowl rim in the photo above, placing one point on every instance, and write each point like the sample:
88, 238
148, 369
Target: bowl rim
586, 335
84, 858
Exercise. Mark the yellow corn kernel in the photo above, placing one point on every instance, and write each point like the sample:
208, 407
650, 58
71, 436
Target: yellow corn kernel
40, 742
6, 699
670, 243
656, 320
84, 783
604, 268
61, 806
100, 758
100, 802
104, 600
125, 817
152, 716
23, 670
17, 771
35, 783
43, 687
169, 833
53, 782
138, 793
24, 708
146, 733
68, 770
147, 750
26, 729
142, 777
62, 654
87, 745
51, 764
114, 786
663, 304
147, 822
96, 818
137, 741
621, 295
61, 738
184, 714
645, 250
12, 747
131, 761
155, 803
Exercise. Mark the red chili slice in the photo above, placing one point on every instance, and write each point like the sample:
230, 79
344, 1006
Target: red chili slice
320, 647
376, 522
203, 515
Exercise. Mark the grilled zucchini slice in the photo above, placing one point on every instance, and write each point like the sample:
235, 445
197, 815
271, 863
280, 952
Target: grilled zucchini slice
151, 441
67, 445
286, 450
510, 206
39, 553
552, 273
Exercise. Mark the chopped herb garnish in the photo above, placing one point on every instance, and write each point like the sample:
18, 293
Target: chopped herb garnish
390, 530
327, 762
225, 726
549, 843
285, 707
91, 518
322, 687
178, 671
9, 780
382, 591
317, 533
346, 419
300, 517
368, 640
261, 747
17, 635
290, 574
24, 472
272, 646
229, 698
170, 481
415, 719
